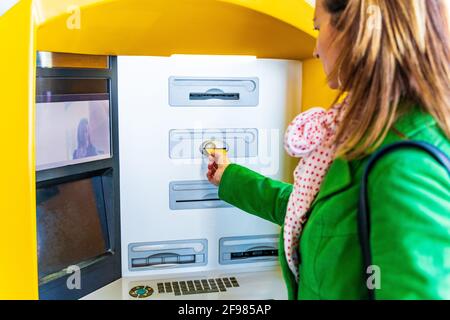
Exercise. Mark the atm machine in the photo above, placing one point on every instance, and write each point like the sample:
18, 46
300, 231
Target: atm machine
113, 104
179, 240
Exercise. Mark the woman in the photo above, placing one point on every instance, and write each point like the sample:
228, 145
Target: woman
85, 148
392, 57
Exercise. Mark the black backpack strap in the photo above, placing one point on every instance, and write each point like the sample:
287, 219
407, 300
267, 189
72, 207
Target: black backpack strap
363, 206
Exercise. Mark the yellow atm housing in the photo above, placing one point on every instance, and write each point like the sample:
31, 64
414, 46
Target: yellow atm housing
261, 28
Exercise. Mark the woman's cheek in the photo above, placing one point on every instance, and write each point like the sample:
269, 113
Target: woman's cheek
323, 59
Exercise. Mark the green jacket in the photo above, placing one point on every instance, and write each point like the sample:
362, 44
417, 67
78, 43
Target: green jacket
410, 221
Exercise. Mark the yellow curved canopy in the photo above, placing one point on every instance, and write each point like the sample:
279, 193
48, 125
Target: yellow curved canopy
263, 28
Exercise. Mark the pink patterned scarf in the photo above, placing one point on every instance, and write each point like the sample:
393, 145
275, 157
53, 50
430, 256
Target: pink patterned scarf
311, 137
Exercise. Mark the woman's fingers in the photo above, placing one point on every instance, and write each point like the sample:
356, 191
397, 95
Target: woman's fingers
218, 161
216, 157
212, 165
212, 170
210, 176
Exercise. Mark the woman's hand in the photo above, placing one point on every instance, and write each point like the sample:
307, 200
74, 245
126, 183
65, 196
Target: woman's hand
218, 162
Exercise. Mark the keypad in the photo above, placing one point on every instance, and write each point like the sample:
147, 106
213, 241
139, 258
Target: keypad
197, 286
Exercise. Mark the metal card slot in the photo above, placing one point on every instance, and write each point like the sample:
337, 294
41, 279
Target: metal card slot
168, 254
187, 144
248, 249
212, 92
184, 195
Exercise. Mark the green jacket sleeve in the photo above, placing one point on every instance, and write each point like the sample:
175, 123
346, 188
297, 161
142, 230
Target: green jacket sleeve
409, 196
254, 193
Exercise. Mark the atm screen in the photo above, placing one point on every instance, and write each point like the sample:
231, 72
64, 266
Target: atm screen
72, 226
72, 122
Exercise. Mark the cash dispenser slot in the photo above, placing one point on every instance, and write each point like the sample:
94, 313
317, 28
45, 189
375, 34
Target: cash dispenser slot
248, 249
167, 254
233, 92
201, 194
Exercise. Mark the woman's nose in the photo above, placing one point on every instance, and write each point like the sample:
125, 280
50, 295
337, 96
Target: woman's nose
316, 53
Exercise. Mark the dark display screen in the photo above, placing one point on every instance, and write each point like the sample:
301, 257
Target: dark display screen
72, 225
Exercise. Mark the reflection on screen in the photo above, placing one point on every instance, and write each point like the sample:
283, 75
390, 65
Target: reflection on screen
72, 121
72, 228
71, 132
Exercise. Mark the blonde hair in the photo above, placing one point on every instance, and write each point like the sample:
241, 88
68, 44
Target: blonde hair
394, 54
